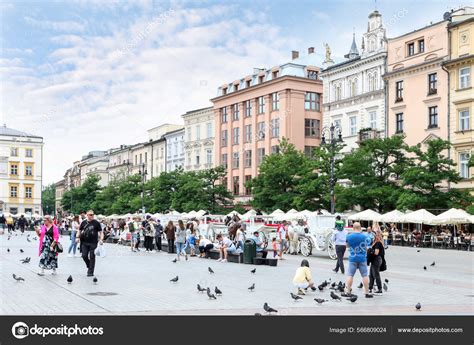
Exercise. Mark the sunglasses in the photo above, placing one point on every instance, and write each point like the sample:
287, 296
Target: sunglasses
90, 214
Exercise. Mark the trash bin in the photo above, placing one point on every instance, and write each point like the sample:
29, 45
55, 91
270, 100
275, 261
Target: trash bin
250, 251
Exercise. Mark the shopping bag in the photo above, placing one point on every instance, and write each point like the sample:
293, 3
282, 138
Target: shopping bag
100, 251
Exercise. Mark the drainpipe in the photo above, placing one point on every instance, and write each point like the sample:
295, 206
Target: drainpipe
449, 96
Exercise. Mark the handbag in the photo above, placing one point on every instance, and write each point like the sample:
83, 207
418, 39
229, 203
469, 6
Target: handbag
370, 255
383, 266
58, 247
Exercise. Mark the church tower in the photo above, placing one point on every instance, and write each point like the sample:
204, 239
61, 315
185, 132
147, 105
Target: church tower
374, 40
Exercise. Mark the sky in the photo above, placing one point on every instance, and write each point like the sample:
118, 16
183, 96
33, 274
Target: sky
92, 75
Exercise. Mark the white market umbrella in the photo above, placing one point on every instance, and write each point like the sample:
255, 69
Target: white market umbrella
292, 215
200, 213
453, 216
418, 217
249, 214
233, 213
277, 212
367, 215
174, 213
391, 217
192, 214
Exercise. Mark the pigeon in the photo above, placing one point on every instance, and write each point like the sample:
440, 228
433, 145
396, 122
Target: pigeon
333, 284
28, 239
253, 271
9, 238
210, 295
386, 280
324, 283
418, 251
252, 287
340, 288
26, 260
295, 297
95, 280
217, 291
269, 309
174, 280
432, 264
8, 250
335, 296
17, 278
200, 289
424, 267
320, 287
69, 279
418, 306
35, 238
361, 286
22, 251
320, 300
210, 270
385, 287
175, 261
353, 298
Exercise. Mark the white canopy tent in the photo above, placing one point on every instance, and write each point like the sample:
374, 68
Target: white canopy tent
232, 213
421, 216
453, 216
249, 214
367, 215
391, 217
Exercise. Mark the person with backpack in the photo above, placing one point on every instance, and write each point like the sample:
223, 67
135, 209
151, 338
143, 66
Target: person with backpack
170, 232
339, 238
89, 234
149, 233
158, 234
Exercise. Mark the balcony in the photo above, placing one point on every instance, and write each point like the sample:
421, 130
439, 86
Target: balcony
367, 134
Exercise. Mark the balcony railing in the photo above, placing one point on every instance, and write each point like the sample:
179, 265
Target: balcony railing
368, 133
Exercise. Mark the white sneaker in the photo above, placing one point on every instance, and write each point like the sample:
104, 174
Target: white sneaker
41, 272
54, 272
219, 260
225, 260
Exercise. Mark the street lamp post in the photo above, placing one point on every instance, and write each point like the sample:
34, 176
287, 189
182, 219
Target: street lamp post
72, 186
335, 136
143, 174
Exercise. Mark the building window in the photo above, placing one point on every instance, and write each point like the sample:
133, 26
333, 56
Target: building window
275, 128
464, 124
13, 191
14, 152
235, 137
261, 104
235, 112
464, 77
209, 157
275, 101
28, 192
224, 182
421, 46
311, 101
411, 49
399, 123
224, 160
309, 150
235, 160
248, 134
399, 91
224, 115
312, 75
209, 130
248, 83
224, 138
373, 119
353, 88
260, 155
236, 87
432, 83
353, 125
312, 128
260, 79
28, 170
261, 130
235, 183
189, 134
248, 108
371, 82
248, 189
29, 153
197, 159
224, 91
464, 164
337, 124
248, 158
433, 117
14, 169
198, 132
275, 149
337, 92
275, 75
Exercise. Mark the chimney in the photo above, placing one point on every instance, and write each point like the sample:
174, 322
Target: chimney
295, 54
310, 50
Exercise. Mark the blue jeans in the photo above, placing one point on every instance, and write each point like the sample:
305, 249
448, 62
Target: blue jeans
180, 247
361, 266
73, 244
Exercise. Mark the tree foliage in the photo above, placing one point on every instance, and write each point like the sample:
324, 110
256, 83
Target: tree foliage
48, 199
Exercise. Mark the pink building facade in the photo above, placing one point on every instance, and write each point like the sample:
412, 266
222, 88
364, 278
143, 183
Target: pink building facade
254, 113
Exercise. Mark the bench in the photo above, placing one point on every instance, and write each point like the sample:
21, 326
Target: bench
231, 257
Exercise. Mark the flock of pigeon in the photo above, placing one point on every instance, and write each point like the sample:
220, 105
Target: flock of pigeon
336, 287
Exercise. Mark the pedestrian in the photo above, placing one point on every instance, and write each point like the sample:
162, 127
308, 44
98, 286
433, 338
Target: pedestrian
149, 233
339, 238
357, 243
10, 223
370, 236
293, 238
138, 232
239, 239
181, 240
48, 239
90, 233
170, 232
274, 247
158, 234
282, 234
74, 229
191, 241
259, 243
226, 246
385, 237
376, 257
22, 223
3, 221
303, 279
205, 246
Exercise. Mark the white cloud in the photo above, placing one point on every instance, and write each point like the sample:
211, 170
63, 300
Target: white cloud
61, 26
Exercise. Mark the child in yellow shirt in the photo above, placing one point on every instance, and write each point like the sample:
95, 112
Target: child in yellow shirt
303, 279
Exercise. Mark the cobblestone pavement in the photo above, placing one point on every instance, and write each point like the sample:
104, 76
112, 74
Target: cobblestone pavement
138, 283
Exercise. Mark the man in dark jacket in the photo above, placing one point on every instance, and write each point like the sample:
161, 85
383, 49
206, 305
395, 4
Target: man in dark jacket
22, 223
158, 234
90, 233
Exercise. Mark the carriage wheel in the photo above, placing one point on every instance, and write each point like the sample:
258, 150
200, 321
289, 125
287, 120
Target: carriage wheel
305, 246
264, 238
331, 248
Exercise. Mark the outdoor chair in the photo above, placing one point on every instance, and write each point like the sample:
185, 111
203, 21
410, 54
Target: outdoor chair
426, 241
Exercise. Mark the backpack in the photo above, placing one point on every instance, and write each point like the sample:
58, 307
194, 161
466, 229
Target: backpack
87, 234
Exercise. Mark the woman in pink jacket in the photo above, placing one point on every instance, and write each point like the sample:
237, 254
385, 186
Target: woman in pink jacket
48, 239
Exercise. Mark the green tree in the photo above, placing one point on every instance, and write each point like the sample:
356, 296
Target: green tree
373, 171
48, 199
161, 190
81, 198
217, 196
425, 181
